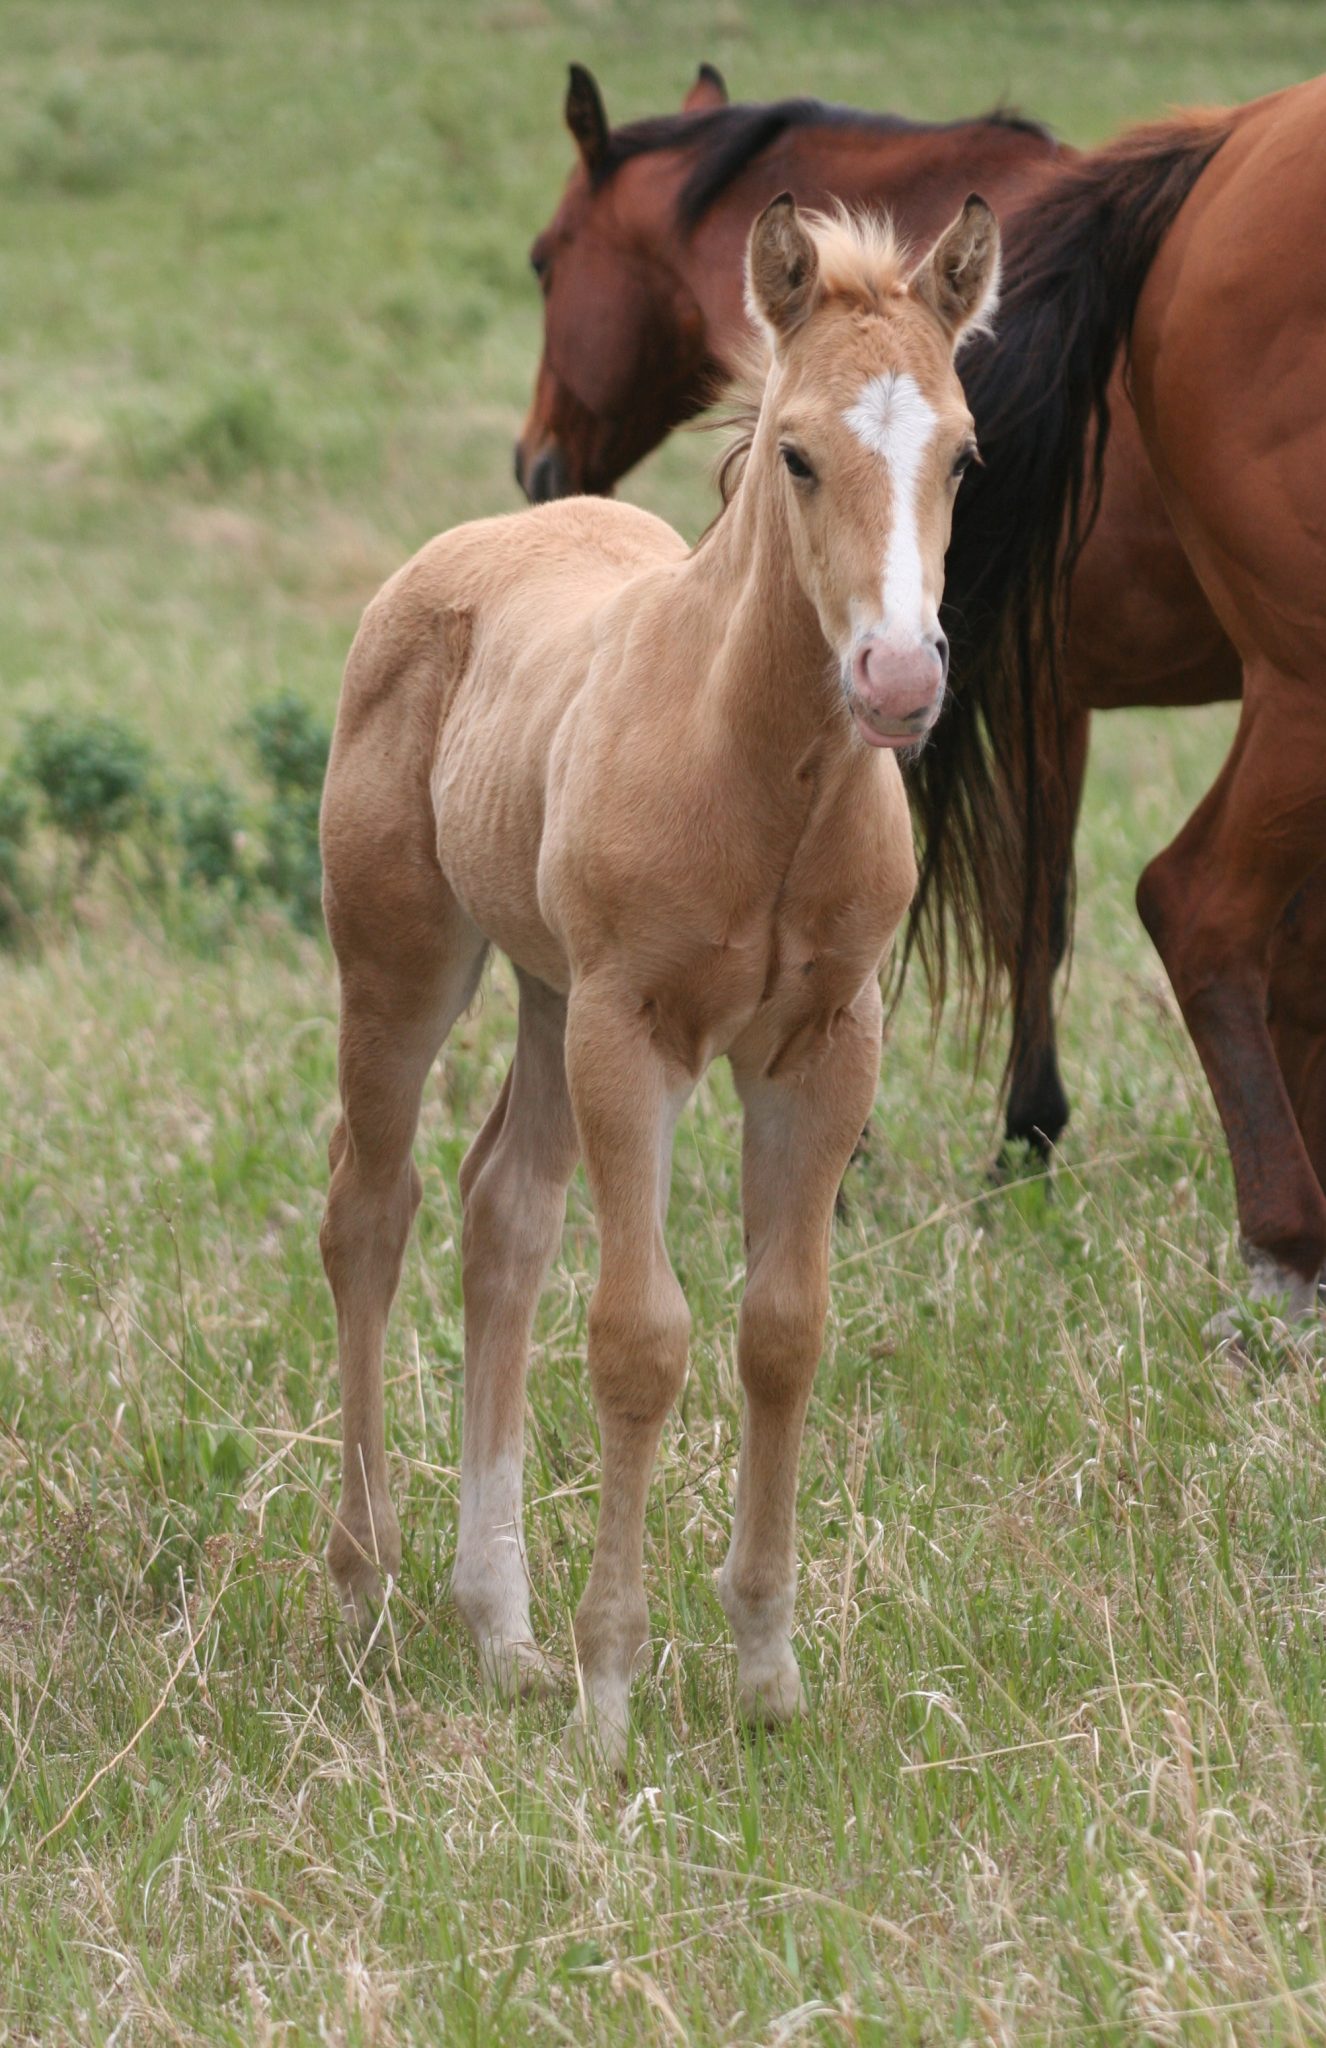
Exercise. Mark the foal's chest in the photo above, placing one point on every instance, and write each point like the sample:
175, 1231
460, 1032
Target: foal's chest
771, 987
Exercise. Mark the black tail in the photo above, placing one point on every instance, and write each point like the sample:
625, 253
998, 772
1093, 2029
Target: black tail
988, 790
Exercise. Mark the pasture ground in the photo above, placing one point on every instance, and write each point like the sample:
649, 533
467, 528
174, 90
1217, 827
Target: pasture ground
265, 326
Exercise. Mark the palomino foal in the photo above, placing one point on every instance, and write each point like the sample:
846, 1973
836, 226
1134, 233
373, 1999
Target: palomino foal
663, 782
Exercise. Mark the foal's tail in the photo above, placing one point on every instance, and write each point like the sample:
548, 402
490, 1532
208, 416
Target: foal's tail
989, 789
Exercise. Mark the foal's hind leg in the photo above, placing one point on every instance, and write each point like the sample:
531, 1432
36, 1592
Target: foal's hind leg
396, 1009
513, 1187
799, 1133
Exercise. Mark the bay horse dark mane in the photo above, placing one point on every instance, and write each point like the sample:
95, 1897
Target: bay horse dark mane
727, 139
990, 782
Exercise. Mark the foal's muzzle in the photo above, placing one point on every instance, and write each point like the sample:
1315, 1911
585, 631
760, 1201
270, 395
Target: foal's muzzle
896, 692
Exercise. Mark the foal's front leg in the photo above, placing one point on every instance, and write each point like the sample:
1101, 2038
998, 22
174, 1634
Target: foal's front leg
627, 1098
798, 1138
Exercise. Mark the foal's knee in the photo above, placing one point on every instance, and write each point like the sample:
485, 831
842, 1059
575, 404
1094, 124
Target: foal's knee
366, 1223
638, 1349
781, 1335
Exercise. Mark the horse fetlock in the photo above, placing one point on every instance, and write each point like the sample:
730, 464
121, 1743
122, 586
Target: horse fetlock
492, 1596
1273, 1288
364, 1559
760, 1617
598, 1730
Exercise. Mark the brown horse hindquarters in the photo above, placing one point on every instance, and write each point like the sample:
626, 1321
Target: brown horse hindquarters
1231, 395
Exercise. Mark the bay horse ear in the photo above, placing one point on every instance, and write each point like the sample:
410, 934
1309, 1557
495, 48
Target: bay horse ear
709, 91
782, 268
585, 117
959, 279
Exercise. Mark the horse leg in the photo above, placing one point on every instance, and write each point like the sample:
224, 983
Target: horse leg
798, 1135
395, 1013
1296, 1011
1037, 1109
1210, 902
513, 1191
627, 1097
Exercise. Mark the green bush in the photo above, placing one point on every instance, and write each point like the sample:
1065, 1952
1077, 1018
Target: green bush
15, 890
291, 744
291, 865
74, 144
97, 782
207, 822
236, 431
95, 776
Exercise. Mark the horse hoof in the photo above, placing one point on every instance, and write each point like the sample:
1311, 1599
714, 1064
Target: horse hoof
518, 1670
595, 1741
1276, 1299
1021, 1158
775, 1698
364, 1601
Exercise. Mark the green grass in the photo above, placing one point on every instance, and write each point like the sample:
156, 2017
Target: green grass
266, 323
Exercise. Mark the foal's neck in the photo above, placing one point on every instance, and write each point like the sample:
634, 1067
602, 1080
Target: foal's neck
772, 687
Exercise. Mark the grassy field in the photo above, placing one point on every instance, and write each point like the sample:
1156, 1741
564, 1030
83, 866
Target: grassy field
266, 324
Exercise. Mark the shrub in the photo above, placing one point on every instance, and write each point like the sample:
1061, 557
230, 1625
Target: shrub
15, 893
207, 821
73, 145
292, 862
292, 744
95, 776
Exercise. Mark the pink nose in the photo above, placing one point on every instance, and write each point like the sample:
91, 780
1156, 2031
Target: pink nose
897, 691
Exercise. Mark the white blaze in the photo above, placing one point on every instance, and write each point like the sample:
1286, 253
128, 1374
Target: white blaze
895, 420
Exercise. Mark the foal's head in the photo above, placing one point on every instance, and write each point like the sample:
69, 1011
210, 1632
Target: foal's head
864, 434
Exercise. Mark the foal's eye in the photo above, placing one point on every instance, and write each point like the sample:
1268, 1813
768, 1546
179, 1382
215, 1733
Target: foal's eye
797, 466
962, 462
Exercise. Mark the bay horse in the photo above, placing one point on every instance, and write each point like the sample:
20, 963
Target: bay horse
1191, 249
664, 782
644, 325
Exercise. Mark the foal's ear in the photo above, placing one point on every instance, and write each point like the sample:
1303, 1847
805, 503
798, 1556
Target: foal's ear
709, 91
585, 117
782, 268
959, 279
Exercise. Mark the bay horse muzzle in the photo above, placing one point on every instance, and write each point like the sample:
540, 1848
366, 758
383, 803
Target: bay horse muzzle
545, 477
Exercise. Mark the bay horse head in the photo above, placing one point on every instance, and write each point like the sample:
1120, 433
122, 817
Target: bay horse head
863, 433
617, 322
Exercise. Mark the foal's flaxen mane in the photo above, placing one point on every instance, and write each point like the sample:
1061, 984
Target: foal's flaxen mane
724, 141
864, 263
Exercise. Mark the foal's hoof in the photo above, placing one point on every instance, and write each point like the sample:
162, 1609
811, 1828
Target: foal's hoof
364, 1601
773, 1697
596, 1738
518, 1670
364, 1578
